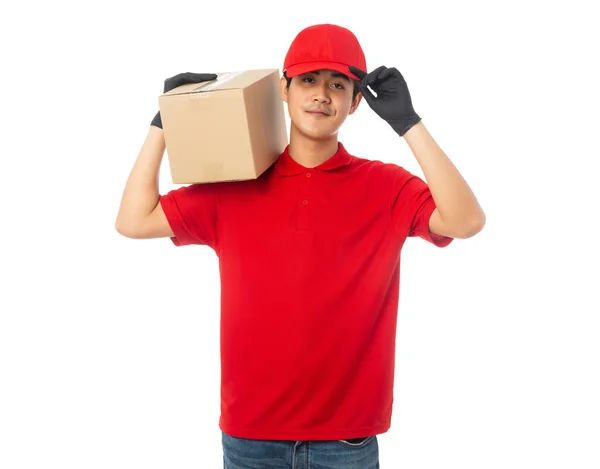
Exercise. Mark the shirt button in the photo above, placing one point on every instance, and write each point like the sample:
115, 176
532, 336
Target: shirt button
308, 175
305, 202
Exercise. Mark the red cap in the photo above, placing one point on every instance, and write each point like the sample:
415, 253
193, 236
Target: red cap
324, 46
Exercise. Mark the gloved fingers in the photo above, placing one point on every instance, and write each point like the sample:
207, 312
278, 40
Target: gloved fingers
357, 71
374, 76
187, 77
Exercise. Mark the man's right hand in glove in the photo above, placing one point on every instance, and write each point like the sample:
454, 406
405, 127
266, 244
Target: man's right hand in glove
182, 79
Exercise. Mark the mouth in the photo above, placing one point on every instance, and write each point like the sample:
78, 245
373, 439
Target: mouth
318, 113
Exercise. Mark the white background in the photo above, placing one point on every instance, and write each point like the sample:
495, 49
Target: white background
109, 352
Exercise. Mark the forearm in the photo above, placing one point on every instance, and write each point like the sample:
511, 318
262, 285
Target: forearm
141, 194
454, 199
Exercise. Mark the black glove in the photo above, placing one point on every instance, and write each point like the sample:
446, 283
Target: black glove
182, 79
393, 103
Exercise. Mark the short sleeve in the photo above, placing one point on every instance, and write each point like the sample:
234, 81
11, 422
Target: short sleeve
412, 206
192, 213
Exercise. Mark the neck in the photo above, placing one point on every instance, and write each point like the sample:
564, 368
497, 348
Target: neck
310, 152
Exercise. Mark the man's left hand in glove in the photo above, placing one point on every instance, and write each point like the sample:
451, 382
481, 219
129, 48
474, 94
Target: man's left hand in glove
393, 102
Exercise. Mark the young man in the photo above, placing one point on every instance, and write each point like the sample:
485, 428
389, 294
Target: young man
309, 257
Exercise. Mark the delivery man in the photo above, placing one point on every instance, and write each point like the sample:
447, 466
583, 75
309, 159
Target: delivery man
309, 259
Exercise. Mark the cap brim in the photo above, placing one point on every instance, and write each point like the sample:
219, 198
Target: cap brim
306, 67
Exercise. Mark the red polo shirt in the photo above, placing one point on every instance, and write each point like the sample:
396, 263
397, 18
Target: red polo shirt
310, 267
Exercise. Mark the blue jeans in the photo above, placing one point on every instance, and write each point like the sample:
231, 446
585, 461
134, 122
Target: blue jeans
357, 453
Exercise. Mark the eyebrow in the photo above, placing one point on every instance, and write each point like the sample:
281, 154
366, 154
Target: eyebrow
335, 75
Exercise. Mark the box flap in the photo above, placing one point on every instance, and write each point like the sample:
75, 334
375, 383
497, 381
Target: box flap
224, 81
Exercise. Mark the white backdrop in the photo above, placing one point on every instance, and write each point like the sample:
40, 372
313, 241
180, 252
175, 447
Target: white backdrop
109, 351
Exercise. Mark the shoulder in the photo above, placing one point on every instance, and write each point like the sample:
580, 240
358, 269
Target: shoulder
239, 193
378, 170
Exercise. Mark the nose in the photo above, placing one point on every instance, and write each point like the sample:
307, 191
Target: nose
321, 94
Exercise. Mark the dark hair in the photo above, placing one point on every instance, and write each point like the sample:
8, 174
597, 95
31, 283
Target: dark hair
354, 82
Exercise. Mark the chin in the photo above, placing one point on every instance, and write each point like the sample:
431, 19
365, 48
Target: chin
317, 135
317, 132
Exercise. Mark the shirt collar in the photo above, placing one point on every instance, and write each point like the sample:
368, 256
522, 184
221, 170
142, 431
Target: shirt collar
287, 166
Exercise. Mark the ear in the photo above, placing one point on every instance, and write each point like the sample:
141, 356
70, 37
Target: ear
283, 88
355, 103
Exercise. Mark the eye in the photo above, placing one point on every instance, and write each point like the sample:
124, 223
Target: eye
307, 78
341, 87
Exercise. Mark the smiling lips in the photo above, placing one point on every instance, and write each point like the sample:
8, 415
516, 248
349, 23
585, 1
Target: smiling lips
318, 112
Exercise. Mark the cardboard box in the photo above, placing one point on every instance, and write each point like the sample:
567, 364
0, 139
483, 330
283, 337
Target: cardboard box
229, 129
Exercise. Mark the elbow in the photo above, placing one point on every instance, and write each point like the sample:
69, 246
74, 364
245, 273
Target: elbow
475, 227
125, 230
120, 230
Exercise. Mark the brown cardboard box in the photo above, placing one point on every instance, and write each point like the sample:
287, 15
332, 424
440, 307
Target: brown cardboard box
232, 128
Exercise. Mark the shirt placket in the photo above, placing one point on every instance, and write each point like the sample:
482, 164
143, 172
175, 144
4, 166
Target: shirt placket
306, 201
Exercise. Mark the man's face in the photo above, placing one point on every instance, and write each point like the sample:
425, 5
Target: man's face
319, 102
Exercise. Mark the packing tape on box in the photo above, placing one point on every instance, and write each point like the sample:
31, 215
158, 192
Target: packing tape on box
200, 95
221, 79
